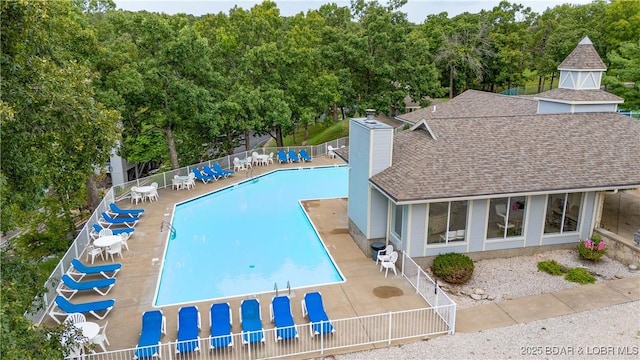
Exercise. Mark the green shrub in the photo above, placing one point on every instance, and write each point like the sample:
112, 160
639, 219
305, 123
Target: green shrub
580, 276
592, 249
552, 267
453, 268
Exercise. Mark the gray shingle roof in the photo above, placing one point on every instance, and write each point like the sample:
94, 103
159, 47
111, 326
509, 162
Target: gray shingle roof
478, 156
583, 57
571, 95
475, 103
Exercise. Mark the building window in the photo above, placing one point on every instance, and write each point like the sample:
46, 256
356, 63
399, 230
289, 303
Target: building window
506, 217
397, 221
447, 222
563, 213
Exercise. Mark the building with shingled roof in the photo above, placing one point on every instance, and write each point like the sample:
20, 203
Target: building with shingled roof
486, 171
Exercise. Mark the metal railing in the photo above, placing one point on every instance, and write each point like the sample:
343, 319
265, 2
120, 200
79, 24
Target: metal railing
430, 291
350, 333
121, 191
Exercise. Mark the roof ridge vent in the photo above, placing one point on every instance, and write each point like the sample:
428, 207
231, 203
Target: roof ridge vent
423, 124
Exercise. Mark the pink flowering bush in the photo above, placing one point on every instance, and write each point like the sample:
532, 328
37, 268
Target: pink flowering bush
592, 249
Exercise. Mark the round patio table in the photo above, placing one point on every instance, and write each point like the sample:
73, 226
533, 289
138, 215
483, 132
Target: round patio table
89, 329
107, 241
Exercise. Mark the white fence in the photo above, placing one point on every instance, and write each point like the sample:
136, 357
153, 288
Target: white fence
42, 304
351, 334
357, 333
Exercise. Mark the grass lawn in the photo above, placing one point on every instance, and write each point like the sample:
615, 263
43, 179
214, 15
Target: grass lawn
320, 133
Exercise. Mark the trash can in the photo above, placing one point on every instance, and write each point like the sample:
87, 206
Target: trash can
375, 247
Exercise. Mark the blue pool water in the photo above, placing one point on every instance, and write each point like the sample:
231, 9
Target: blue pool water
246, 238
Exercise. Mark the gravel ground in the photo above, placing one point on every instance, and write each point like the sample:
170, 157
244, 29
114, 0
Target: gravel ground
612, 332
505, 278
607, 333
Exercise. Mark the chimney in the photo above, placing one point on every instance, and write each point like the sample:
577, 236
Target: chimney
371, 113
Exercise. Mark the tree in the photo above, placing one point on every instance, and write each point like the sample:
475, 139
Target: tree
466, 46
623, 76
54, 130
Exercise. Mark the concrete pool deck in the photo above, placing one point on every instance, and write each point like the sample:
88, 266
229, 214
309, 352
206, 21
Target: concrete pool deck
136, 282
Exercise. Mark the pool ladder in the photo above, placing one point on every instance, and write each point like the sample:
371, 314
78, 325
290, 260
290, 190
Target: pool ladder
275, 288
167, 225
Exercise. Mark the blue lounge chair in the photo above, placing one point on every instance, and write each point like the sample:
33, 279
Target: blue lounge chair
304, 155
114, 211
293, 157
70, 285
283, 318
93, 308
107, 221
188, 330
282, 157
118, 231
251, 321
153, 326
211, 172
313, 308
222, 171
203, 177
81, 270
221, 322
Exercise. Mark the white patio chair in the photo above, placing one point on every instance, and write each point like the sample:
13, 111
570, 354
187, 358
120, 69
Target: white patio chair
93, 252
390, 264
115, 249
101, 338
125, 237
255, 159
135, 196
105, 232
270, 160
237, 165
248, 161
75, 318
153, 194
176, 184
330, 152
501, 210
191, 182
384, 254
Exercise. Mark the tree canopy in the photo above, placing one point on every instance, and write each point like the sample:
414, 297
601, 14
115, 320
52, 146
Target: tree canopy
80, 79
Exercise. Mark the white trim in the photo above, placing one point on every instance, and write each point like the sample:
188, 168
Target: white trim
576, 69
424, 124
484, 196
425, 238
406, 238
576, 102
368, 216
468, 223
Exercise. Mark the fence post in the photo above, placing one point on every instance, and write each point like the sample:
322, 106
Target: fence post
321, 337
390, 326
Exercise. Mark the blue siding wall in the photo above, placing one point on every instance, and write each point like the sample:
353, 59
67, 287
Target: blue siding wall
381, 151
534, 224
545, 107
589, 207
378, 216
359, 176
417, 230
477, 225
595, 108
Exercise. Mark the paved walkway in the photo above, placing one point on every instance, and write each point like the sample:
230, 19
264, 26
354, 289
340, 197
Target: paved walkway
537, 307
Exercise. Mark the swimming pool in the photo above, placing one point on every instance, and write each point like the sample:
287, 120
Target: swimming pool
246, 238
